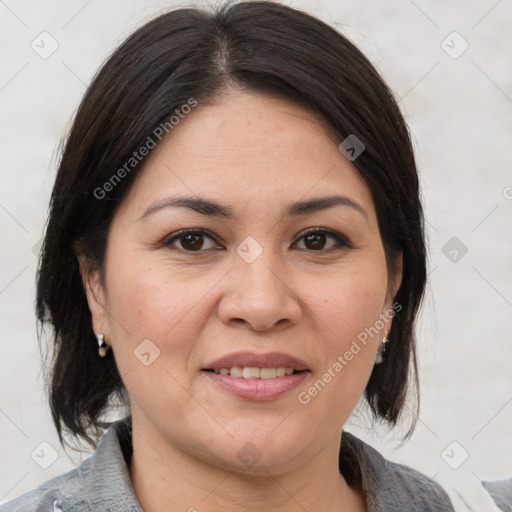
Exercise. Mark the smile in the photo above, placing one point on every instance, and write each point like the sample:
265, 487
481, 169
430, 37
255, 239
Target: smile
253, 383
253, 372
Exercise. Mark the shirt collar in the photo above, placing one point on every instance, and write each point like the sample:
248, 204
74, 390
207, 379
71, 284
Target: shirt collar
389, 486
103, 480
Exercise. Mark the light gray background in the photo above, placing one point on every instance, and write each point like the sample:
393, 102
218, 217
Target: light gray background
459, 112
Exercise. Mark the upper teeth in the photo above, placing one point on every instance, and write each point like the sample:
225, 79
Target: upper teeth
252, 372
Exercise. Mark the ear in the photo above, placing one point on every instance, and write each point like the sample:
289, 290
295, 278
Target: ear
96, 298
396, 278
394, 282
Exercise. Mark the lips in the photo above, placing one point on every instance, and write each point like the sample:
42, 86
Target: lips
254, 360
253, 376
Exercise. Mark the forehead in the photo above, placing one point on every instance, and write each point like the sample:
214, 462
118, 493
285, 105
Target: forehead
251, 150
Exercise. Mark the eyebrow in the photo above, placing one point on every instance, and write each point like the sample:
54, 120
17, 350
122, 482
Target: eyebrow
212, 209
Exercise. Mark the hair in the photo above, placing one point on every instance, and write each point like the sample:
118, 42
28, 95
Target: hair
261, 47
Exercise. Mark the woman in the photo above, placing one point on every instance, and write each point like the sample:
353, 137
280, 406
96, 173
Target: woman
235, 251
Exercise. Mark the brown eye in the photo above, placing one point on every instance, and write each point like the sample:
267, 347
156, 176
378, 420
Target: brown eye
190, 241
315, 240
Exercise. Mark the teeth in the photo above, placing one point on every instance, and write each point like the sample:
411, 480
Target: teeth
268, 373
280, 371
249, 372
236, 371
252, 372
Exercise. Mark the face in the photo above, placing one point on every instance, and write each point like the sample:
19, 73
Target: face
252, 283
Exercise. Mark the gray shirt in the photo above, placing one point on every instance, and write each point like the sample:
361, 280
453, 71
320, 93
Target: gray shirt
102, 482
501, 493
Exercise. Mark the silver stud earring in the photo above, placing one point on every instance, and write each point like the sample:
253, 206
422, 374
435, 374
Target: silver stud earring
103, 347
381, 351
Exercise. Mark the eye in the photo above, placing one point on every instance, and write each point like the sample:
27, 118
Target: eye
315, 239
190, 240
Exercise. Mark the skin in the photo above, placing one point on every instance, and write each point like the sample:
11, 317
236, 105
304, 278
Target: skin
255, 154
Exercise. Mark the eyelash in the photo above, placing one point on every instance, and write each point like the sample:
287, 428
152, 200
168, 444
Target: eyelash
342, 241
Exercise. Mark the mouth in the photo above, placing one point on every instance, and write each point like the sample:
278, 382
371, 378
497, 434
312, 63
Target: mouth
251, 364
256, 376
254, 372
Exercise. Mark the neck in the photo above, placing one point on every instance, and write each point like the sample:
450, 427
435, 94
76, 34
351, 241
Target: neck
165, 476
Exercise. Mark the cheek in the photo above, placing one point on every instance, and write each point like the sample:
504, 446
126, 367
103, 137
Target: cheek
154, 320
348, 319
351, 303
167, 305
152, 300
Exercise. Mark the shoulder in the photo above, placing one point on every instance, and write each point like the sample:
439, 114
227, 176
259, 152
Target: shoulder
390, 486
102, 481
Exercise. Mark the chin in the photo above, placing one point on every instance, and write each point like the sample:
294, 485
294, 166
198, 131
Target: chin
255, 452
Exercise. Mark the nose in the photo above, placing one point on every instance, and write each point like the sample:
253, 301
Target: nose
259, 297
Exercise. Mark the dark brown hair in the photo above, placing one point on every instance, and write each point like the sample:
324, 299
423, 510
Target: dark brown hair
192, 53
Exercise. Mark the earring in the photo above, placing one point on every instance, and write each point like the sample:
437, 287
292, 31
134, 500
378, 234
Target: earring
381, 351
103, 347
